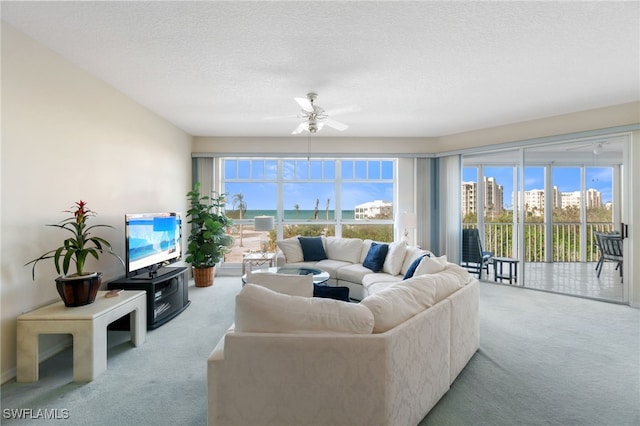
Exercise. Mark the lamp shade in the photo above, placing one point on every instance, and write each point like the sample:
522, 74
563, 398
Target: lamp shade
263, 223
407, 220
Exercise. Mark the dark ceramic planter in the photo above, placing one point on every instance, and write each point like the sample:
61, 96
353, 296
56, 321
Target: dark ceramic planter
79, 291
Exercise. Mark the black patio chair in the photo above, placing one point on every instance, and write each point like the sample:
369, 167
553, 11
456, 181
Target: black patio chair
473, 257
610, 246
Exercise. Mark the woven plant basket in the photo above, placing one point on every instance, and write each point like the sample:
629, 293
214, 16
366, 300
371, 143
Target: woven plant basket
203, 277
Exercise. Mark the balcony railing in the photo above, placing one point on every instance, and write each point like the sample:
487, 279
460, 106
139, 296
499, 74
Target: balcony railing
566, 240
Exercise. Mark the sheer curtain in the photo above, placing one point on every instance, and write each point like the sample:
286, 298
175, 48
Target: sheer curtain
424, 211
204, 172
449, 201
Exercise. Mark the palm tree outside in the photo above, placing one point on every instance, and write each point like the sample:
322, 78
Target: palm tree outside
238, 200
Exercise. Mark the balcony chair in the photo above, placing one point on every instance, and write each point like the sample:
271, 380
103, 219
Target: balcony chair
610, 246
473, 257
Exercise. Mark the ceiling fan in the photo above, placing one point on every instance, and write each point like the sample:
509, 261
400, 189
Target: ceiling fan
315, 117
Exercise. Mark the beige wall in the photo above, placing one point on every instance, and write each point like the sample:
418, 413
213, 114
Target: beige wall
601, 118
68, 136
313, 145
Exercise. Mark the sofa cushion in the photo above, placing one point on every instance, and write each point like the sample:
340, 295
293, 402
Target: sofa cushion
312, 248
344, 249
399, 302
291, 249
379, 277
402, 300
331, 266
295, 285
376, 257
378, 286
412, 268
463, 275
447, 286
366, 246
431, 265
261, 310
354, 273
395, 257
413, 252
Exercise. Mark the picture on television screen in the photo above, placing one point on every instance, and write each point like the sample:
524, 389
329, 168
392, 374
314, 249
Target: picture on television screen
152, 240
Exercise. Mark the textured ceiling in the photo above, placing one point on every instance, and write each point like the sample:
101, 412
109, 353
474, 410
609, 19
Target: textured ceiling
415, 69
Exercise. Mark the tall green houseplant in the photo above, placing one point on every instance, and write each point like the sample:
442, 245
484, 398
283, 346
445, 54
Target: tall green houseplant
208, 241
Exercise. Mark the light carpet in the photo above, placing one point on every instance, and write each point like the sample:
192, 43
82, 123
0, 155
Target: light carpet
544, 359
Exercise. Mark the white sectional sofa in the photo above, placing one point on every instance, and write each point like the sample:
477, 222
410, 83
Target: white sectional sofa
344, 262
292, 360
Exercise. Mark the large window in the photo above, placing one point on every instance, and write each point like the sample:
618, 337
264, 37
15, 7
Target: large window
331, 197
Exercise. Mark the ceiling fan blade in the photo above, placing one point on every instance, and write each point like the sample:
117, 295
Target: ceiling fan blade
305, 104
301, 127
343, 110
335, 124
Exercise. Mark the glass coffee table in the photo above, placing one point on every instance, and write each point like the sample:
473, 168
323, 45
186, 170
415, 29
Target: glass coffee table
320, 277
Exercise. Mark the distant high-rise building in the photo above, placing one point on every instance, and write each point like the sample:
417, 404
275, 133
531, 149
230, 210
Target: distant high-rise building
469, 198
534, 200
593, 199
493, 197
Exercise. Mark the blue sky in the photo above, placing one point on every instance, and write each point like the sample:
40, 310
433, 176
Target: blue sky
363, 181
567, 179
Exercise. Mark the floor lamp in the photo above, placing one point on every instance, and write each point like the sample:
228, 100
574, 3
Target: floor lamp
263, 224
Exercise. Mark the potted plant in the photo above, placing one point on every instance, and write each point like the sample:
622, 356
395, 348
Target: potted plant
208, 241
79, 288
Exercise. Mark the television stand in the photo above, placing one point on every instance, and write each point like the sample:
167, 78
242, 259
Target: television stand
167, 294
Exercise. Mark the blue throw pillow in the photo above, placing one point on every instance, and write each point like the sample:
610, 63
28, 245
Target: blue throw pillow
413, 267
312, 248
376, 256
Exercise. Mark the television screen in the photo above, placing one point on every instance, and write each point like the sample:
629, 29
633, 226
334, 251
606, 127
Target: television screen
152, 240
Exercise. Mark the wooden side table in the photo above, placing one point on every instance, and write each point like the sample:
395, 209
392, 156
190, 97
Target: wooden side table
254, 259
88, 326
510, 274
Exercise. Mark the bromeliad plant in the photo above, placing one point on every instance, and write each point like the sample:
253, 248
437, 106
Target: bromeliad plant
78, 247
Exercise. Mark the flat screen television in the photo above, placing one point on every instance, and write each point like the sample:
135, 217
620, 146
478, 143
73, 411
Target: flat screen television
152, 241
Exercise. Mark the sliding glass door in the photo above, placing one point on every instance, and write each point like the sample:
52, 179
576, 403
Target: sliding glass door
542, 206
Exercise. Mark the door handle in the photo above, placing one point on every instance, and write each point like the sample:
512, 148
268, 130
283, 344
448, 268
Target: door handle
624, 230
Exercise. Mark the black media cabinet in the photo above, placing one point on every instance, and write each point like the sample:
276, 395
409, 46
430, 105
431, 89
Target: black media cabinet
167, 294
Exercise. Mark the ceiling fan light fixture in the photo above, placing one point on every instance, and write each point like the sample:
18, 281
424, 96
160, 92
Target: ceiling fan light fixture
315, 116
597, 149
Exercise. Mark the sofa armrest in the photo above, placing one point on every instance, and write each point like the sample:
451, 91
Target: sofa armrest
465, 326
